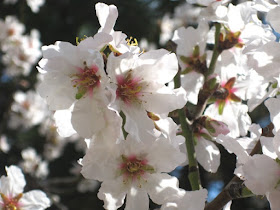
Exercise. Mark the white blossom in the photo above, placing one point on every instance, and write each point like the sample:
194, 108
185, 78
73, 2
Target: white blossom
132, 169
33, 164
12, 196
139, 87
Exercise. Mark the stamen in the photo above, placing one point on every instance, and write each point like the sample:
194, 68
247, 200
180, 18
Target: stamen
85, 80
134, 169
10, 203
132, 42
128, 89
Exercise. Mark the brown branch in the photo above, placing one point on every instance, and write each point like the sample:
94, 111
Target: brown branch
234, 188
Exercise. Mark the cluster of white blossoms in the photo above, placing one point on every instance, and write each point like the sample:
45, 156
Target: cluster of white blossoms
260, 172
28, 109
119, 98
33, 4
20, 52
94, 95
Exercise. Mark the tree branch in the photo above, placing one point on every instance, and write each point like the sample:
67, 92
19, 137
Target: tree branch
235, 188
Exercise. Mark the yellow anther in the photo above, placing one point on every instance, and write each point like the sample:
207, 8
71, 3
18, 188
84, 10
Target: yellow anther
81, 39
132, 41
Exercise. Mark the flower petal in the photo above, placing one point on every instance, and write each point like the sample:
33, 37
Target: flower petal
162, 188
34, 200
273, 198
107, 16
112, 193
208, 155
261, 174
13, 183
137, 199
85, 114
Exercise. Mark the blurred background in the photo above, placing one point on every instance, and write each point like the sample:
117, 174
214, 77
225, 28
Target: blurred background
28, 135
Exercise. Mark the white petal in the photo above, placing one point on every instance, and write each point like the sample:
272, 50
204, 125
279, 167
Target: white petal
169, 206
152, 56
118, 65
100, 165
162, 188
227, 206
158, 66
273, 17
64, 50
273, 105
188, 38
58, 91
189, 200
267, 147
63, 122
192, 82
234, 115
193, 200
163, 156
273, 198
232, 146
13, 183
97, 42
169, 128
208, 155
138, 123
137, 199
276, 143
164, 100
112, 193
266, 60
261, 174
34, 200
107, 16
88, 116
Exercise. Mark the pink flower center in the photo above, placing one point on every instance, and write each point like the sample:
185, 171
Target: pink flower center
26, 105
129, 88
86, 80
10, 203
11, 32
229, 91
225, 94
133, 168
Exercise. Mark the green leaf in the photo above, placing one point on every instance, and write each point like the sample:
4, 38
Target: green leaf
187, 70
246, 193
210, 128
274, 85
185, 59
277, 161
206, 136
196, 51
221, 107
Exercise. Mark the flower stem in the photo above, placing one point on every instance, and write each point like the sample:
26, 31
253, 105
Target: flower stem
193, 176
216, 51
